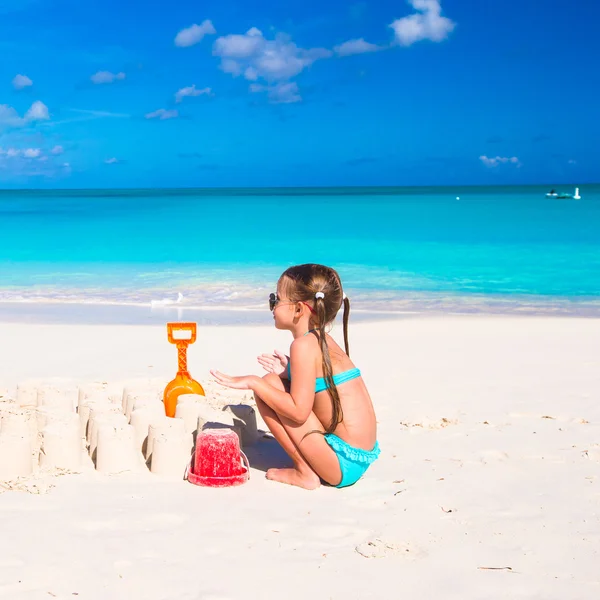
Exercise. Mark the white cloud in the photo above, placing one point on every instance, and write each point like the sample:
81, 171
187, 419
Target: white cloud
163, 114
111, 161
106, 77
239, 46
18, 163
191, 91
359, 46
194, 34
37, 112
25, 153
281, 93
32, 153
498, 160
21, 81
57, 150
426, 24
9, 117
273, 61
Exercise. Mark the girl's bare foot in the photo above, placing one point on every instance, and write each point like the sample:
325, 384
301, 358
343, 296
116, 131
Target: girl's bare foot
306, 479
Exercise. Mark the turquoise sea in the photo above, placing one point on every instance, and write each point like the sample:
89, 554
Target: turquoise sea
496, 249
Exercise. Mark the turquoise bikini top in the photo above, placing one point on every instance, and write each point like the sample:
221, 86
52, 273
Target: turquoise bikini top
321, 384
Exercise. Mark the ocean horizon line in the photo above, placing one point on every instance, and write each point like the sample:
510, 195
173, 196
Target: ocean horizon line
381, 190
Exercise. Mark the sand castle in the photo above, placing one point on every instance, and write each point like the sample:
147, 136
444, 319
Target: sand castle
49, 427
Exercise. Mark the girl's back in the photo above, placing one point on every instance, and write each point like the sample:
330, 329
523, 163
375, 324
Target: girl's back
359, 426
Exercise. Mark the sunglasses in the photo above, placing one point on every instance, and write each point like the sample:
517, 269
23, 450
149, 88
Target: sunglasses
274, 300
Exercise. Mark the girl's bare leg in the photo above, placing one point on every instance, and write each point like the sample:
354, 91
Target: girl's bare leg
312, 456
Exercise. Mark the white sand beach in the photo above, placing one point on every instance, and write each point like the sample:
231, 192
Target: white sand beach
488, 485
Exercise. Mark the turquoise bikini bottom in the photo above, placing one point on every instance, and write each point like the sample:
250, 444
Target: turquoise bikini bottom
353, 461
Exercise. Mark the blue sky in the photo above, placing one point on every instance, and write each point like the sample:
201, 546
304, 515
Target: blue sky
420, 92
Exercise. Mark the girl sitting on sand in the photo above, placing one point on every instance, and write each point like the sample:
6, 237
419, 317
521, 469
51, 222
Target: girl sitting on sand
315, 401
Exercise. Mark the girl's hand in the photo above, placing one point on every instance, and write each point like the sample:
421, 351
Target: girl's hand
236, 383
274, 363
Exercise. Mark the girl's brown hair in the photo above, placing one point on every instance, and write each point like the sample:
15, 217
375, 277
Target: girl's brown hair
302, 284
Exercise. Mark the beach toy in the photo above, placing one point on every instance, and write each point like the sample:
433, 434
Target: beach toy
218, 460
181, 334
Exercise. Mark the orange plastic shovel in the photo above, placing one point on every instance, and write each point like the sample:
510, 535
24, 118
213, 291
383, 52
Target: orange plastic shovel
182, 335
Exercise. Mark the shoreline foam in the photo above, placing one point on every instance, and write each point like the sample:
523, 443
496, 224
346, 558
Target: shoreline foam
93, 311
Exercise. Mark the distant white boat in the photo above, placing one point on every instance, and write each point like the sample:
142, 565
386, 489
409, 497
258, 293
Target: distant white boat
563, 195
167, 301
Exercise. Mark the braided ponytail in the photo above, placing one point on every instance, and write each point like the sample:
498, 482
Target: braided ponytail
346, 317
337, 415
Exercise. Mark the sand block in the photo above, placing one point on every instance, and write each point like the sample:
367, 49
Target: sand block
61, 397
96, 403
95, 398
189, 412
18, 422
96, 422
98, 389
15, 456
102, 408
84, 417
140, 398
116, 448
6, 397
244, 416
46, 415
152, 388
172, 428
170, 455
61, 446
153, 404
196, 398
141, 419
27, 394
116, 398
84, 412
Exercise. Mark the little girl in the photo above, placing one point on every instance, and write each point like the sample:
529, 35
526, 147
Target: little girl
315, 401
